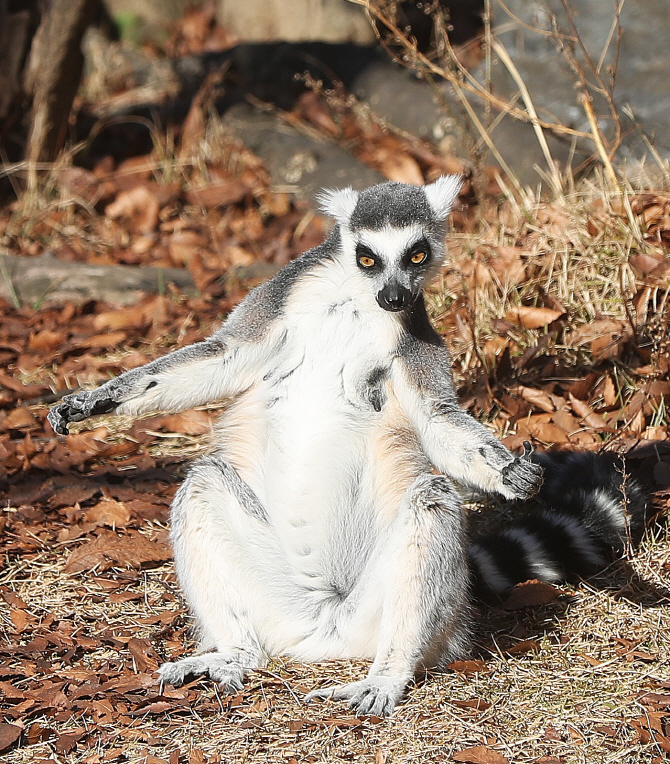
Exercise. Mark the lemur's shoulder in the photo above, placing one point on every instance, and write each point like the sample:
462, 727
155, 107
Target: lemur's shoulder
266, 303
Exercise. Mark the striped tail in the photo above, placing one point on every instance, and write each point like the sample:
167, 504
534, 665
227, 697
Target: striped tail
590, 509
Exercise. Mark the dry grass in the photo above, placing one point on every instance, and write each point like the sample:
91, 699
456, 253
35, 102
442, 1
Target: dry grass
571, 695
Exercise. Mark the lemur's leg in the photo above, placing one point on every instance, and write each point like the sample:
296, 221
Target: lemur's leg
416, 585
221, 538
191, 376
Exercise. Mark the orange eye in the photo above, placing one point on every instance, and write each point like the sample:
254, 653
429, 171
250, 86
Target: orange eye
418, 258
366, 262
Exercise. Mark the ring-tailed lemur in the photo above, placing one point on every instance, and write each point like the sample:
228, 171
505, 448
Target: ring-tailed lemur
325, 523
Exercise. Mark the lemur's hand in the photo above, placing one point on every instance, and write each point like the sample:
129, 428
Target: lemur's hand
523, 476
78, 406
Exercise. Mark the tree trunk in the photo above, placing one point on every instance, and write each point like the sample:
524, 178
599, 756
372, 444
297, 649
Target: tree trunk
53, 73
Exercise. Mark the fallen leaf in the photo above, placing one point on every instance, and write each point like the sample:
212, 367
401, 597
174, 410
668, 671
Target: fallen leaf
146, 658
479, 754
20, 619
139, 206
46, 341
546, 432
532, 318
605, 729
129, 318
467, 667
9, 692
218, 195
525, 646
646, 264
476, 703
108, 512
531, 594
583, 410
538, 398
109, 549
109, 340
12, 599
9, 734
67, 741
508, 265
401, 167
606, 337
609, 391
18, 419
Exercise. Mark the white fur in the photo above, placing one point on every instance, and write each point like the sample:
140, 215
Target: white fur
297, 435
580, 538
495, 579
317, 527
442, 194
338, 203
536, 556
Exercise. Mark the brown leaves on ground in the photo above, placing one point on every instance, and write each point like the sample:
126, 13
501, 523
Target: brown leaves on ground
558, 336
653, 725
532, 318
531, 594
393, 154
9, 734
479, 754
200, 222
108, 549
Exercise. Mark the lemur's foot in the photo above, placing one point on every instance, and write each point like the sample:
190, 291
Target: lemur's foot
228, 674
523, 476
79, 406
372, 696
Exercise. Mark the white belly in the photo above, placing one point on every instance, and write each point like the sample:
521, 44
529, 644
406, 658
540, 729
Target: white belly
304, 438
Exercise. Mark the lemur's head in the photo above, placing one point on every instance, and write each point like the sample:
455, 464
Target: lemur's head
395, 234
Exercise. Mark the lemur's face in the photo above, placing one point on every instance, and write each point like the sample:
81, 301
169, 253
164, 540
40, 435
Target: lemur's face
394, 233
397, 261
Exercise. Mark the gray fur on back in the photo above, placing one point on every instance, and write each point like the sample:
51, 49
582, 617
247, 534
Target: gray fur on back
265, 303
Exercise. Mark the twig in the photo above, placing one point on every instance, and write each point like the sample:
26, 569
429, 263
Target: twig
511, 68
587, 103
469, 83
13, 296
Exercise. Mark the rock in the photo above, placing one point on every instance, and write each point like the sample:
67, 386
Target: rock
297, 163
296, 21
642, 71
46, 279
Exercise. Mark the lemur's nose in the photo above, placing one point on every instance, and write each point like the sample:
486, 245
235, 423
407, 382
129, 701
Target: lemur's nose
394, 297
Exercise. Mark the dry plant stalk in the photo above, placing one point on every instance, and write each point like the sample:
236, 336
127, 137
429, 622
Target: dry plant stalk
588, 73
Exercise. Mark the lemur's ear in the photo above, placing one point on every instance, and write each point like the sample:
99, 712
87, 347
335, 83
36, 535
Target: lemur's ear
442, 194
339, 204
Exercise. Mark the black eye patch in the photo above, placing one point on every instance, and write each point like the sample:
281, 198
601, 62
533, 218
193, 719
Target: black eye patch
367, 260
418, 255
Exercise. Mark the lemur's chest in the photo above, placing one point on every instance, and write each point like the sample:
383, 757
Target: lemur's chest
337, 360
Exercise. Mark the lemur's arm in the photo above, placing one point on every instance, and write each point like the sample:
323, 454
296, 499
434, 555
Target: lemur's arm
227, 363
455, 443
207, 371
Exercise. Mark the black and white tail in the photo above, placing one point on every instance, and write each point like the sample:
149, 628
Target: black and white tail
590, 509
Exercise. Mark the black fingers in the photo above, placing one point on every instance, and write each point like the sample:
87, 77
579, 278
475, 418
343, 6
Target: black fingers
523, 476
78, 406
